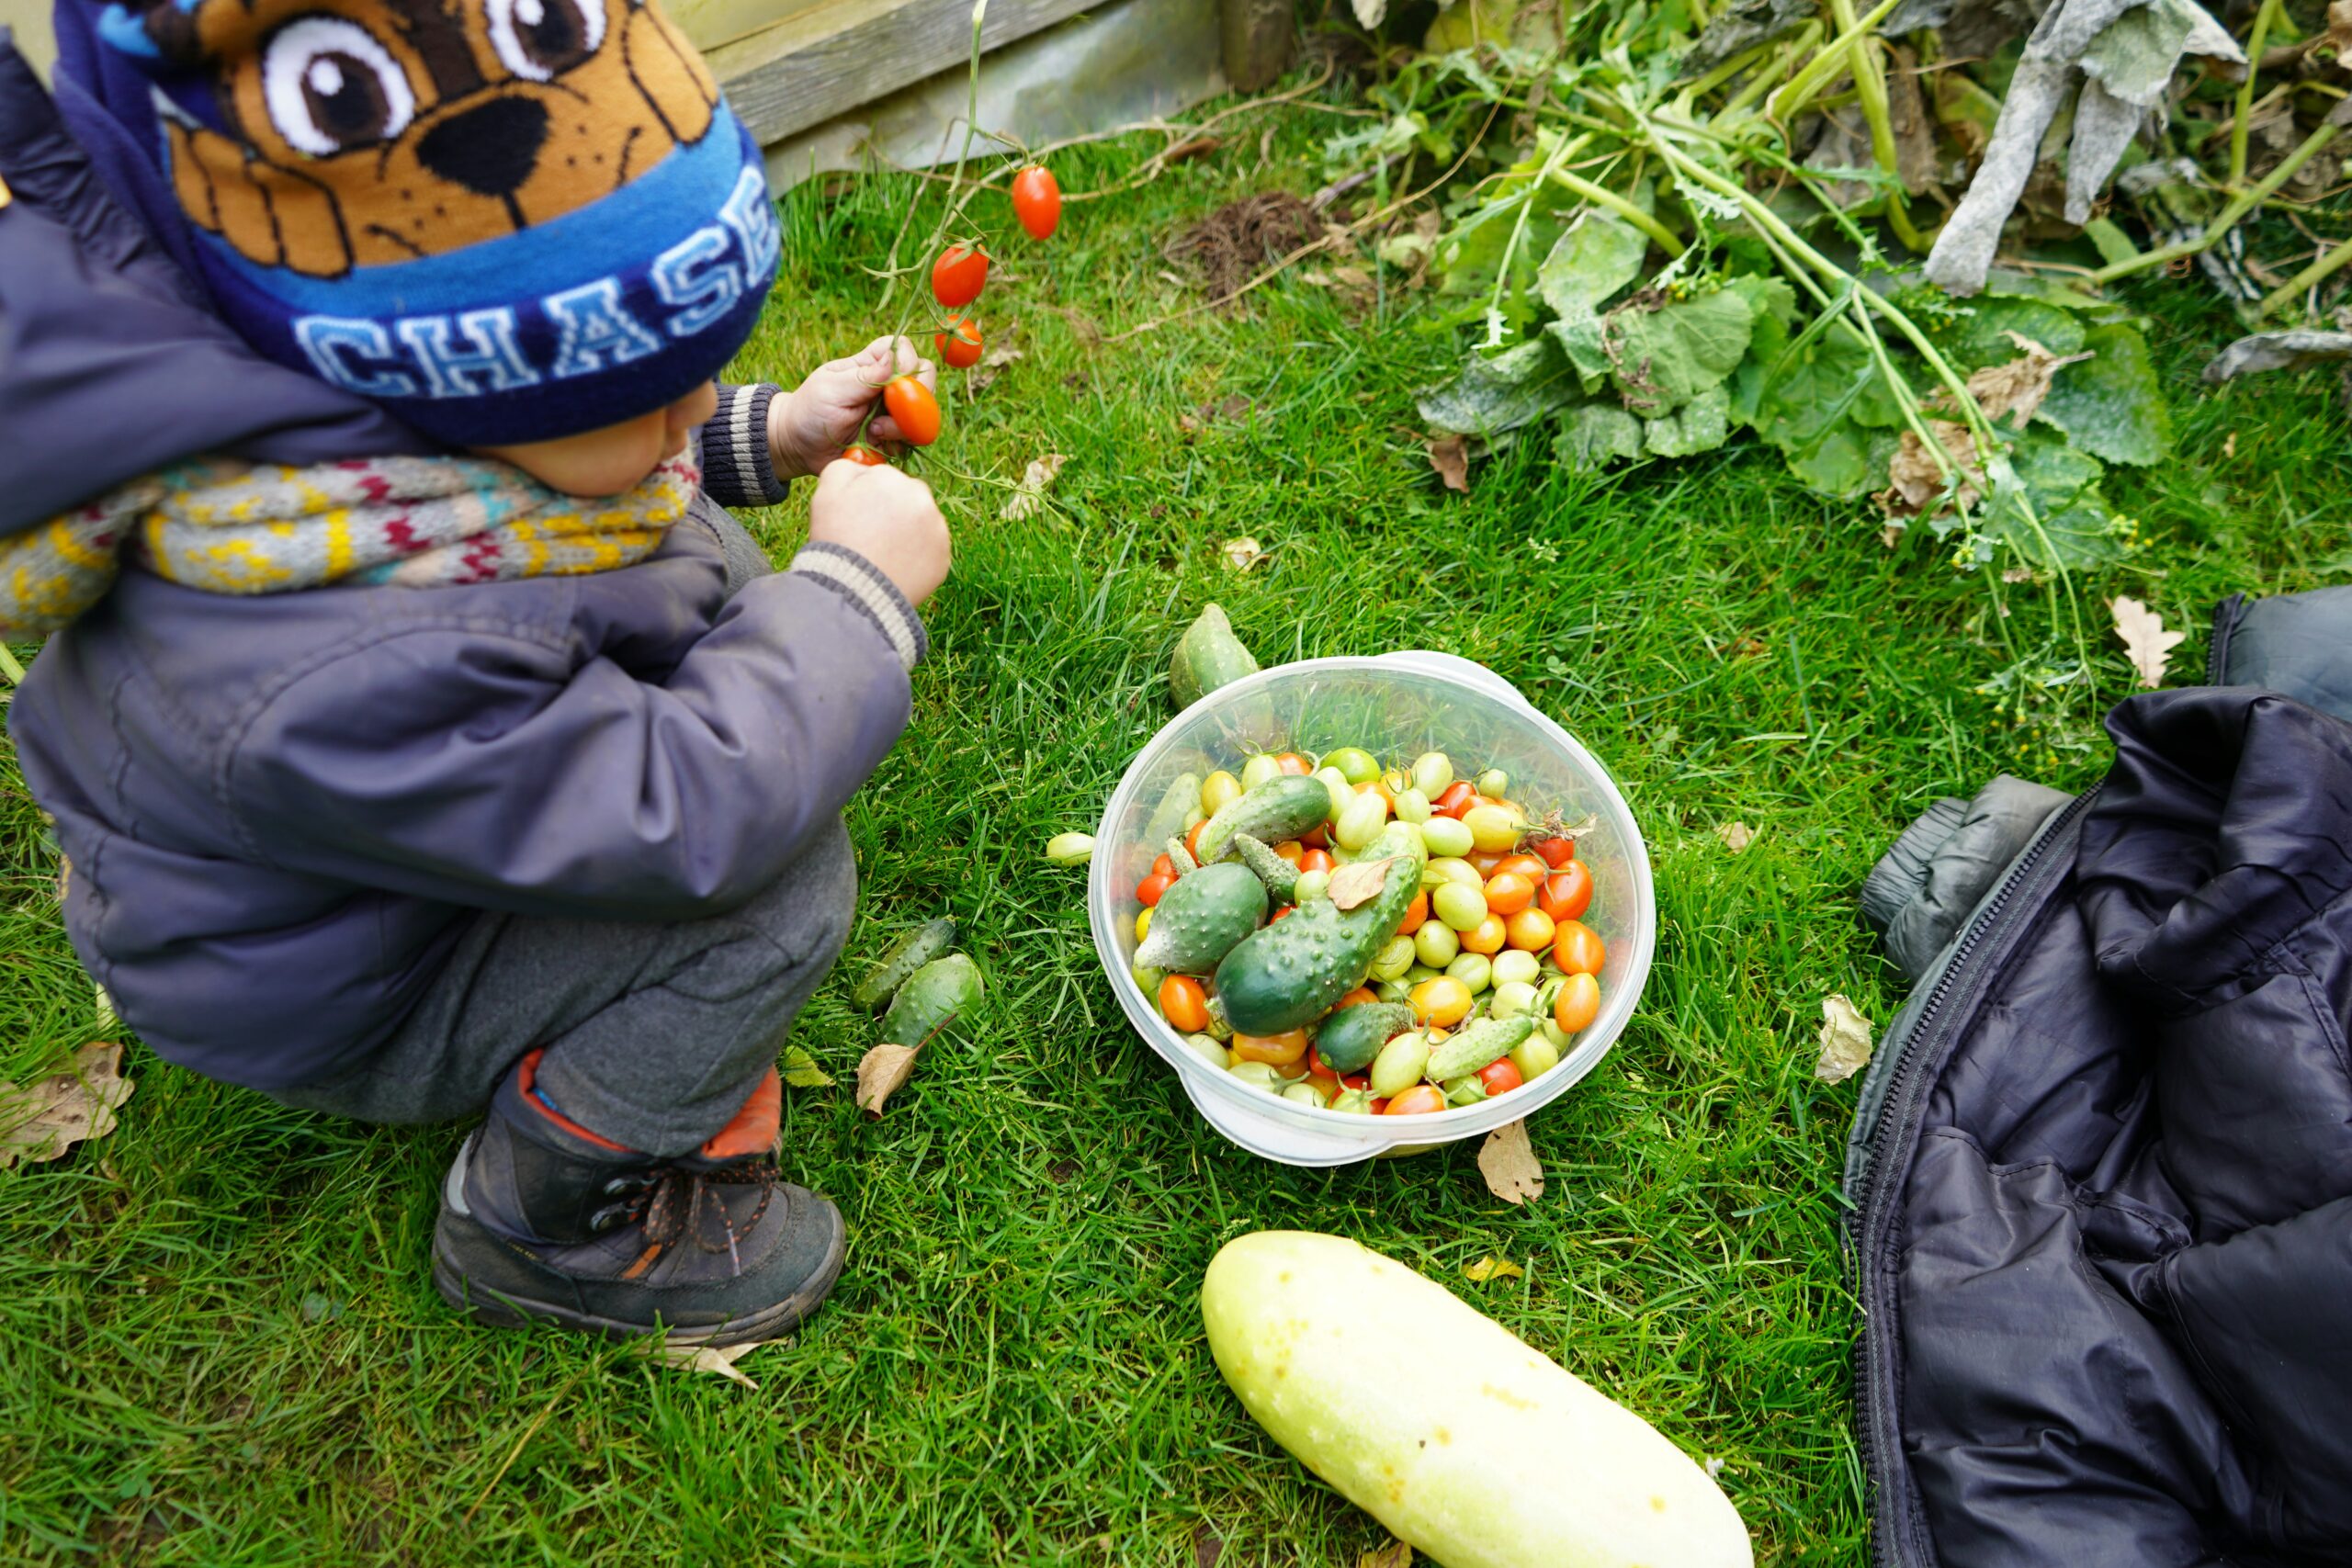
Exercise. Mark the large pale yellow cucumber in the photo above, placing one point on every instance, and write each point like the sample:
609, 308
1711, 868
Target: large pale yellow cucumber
1444, 1426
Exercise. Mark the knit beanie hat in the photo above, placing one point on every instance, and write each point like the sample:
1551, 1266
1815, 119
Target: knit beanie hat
505, 220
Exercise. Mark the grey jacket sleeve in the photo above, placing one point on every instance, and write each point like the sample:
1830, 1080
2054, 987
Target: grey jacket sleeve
502, 771
1924, 886
737, 468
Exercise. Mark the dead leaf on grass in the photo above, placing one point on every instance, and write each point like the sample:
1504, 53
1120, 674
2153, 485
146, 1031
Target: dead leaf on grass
2339, 30
1917, 484
2017, 388
1353, 885
880, 1072
1487, 1269
1737, 836
1449, 456
1508, 1163
992, 364
1241, 554
1845, 1040
801, 1071
1395, 1554
44, 1121
2145, 641
1207, 1546
716, 1359
1029, 497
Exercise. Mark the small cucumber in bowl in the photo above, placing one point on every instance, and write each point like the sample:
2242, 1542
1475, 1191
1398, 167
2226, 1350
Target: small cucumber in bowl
1282, 808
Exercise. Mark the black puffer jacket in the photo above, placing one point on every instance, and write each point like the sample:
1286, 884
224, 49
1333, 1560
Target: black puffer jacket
2103, 1168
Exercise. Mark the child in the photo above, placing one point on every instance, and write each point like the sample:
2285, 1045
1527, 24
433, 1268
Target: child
405, 784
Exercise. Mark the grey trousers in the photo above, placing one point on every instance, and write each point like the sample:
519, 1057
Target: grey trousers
655, 1033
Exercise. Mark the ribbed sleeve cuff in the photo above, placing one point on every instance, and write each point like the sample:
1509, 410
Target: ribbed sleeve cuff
736, 468
858, 580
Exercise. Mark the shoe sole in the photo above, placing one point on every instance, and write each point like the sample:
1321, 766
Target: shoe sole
511, 1310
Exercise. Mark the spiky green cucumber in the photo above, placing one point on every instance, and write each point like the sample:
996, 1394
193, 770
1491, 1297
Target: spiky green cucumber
1199, 920
1480, 1045
1171, 816
1280, 808
930, 1002
1280, 876
1293, 971
1351, 1038
1207, 656
908, 953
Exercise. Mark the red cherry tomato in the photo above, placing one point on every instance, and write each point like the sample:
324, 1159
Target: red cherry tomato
1317, 838
864, 456
1284, 913
1568, 892
1525, 865
1500, 1077
1316, 860
1183, 1003
1458, 798
1037, 202
959, 345
1148, 891
1418, 1100
1556, 852
911, 404
959, 274
1163, 866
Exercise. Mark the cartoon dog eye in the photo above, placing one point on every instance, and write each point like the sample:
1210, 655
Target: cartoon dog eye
331, 87
540, 39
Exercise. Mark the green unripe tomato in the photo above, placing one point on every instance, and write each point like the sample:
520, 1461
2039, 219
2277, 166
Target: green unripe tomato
1494, 783
1311, 884
1149, 979
1552, 1034
1219, 790
1453, 868
1418, 973
1513, 997
1459, 907
1258, 1075
1534, 1058
1513, 967
1206, 1048
1467, 1090
1432, 770
1436, 942
1352, 1102
1474, 970
1492, 829
1412, 807
1361, 820
1394, 959
1342, 796
1394, 990
1399, 1064
1355, 764
1445, 837
1258, 769
1303, 1093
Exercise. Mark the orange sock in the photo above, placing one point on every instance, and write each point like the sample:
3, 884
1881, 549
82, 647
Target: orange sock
528, 1069
754, 1131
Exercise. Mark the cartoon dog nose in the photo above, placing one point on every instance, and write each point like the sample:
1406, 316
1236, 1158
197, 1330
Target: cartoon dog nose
489, 150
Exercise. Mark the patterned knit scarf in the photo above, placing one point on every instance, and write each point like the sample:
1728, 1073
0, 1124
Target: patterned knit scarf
228, 527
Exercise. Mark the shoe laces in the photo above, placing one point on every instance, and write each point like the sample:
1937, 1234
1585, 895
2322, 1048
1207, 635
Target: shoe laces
674, 1201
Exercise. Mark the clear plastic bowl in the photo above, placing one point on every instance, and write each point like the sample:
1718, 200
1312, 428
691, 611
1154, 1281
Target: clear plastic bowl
1396, 707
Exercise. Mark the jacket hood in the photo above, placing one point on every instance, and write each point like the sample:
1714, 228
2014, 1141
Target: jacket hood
111, 365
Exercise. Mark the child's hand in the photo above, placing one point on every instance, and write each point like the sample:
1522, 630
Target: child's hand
888, 517
808, 427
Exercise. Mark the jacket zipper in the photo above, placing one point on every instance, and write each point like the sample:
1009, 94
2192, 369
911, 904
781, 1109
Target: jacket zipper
2226, 615
1879, 1422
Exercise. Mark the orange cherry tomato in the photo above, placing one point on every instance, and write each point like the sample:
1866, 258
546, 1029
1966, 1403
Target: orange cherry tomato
1457, 798
911, 404
1192, 838
1183, 1004
1528, 866
1418, 1100
1500, 1077
1276, 1050
1037, 202
1580, 949
1530, 931
1292, 850
1150, 890
1508, 893
1417, 914
1163, 866
1316, 860
1375, 786
1486, 937
958, 275
1356, 999
1486, 863
1442, 999
1317, 838
1294, 764
1379, 1107
1577, 1003
959, 345
1568, 892
864, 456
1284, 913
1556, 852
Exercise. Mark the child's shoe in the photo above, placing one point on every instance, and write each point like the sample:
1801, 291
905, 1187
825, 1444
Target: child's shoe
542, 1219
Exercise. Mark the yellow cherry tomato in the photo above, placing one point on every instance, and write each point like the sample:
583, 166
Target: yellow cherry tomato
1274, 1049
1530, 930
1578, 1004
1443, 1000
1486, 937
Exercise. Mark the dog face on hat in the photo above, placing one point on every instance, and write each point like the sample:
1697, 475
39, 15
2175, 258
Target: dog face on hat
358, 133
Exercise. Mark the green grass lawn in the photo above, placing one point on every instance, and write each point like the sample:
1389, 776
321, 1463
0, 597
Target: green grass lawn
218, 1341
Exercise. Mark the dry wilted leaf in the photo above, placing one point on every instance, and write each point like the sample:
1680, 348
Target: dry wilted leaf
1240, 555
1487, 1269
2145, 641
1845, 1040
2339, 29
1352, 885
1737, 836
1510, 1166
1916, 485
880, 1072
1449, 456
1029, 496
45, 1120
1395, 1554
992, 364
2017, 388
718, 1359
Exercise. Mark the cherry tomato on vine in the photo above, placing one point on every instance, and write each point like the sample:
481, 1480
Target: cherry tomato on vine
959, 345
917, 411
1037, 202
1568, 892
864, 456
1556, 852
957, 276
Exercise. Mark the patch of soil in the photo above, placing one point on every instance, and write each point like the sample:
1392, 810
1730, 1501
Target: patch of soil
1230, 246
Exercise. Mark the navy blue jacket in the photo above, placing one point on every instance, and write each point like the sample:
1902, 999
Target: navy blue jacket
280, 811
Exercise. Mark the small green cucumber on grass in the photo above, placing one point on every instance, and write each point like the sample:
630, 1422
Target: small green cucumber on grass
1280, 876
908, 953
1280, 808
930, 1002
1199, 920
1207, 656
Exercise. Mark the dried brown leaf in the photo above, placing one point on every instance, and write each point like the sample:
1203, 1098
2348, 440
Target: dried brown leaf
1508, 1162
2145, 641
2339, 29
1845, 1040
1395, 1554
1241, 554
1029, 496
1737, 836
880, 1072
1354, 885
1916, 486
1449, 456
1487, 1269
991, 365
716, 1359
2017, 388
44, 1121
